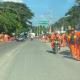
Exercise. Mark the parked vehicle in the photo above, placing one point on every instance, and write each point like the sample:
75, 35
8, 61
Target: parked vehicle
32, 36
22, 36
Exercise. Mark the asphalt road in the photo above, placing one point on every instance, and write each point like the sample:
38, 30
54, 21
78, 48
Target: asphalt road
8, 46
33, 60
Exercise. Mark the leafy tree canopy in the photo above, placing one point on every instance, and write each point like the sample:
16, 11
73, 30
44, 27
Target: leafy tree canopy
13, 17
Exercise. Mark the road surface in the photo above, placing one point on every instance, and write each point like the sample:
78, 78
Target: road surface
33, 60
7, 46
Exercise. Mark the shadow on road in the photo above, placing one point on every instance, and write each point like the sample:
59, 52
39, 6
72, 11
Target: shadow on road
49, 51
66, 54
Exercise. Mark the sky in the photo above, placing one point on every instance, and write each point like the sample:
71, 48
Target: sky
47, 10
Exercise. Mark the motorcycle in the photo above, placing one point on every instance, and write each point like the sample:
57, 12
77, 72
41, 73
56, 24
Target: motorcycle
56, 46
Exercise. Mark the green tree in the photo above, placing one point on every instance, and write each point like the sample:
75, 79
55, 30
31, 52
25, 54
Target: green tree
14, 17
71, 18
74, 14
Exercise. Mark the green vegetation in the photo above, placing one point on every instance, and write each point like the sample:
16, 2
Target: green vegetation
39, 30
71, 18
14, 17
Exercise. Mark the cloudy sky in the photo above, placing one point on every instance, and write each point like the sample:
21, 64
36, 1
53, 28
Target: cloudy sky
47, 9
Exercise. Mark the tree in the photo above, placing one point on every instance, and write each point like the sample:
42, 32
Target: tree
78, 2
71, 18
74, 14
13, 17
